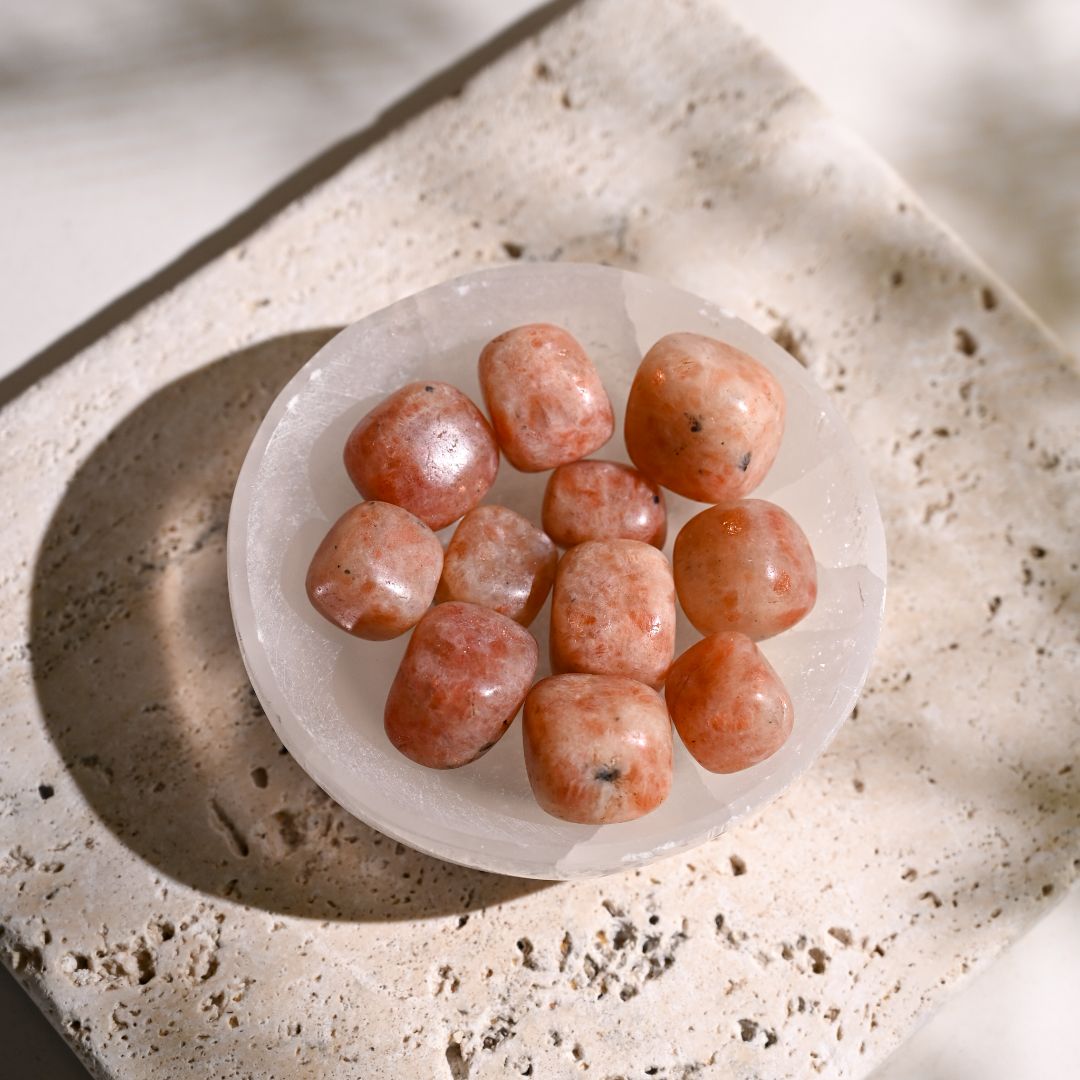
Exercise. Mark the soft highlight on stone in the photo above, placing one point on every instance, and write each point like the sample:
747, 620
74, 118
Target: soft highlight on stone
544, 396
499, 560
728, 704
375, 572
427, 448
747, 567
461, 682
603, 500
597, 748
703, 418
613, 611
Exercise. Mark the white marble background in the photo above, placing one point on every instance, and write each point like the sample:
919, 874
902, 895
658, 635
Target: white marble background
130, 129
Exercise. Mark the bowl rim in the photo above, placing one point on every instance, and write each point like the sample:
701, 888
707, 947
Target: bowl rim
240, 594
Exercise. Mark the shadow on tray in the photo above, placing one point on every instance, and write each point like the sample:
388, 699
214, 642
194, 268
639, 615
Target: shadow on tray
144, 692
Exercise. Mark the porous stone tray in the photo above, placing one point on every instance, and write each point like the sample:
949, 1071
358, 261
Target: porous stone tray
178, 896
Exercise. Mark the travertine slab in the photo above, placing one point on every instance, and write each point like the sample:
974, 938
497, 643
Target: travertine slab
184, 902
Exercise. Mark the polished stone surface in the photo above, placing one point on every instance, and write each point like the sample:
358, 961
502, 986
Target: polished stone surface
745, 567
425, 447
597, 748
544, 396
460, 684
613, 611
603, 500
703, 418
727, 703
500, 560
374, 573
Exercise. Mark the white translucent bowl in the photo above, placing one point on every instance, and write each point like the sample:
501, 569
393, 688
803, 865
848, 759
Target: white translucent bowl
324, 691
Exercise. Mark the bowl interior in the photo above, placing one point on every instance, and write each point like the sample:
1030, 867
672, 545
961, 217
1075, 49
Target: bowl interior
324, 691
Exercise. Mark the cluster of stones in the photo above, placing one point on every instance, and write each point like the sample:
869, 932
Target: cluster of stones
703, 420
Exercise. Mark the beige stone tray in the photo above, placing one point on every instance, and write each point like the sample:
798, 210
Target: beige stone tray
183, 901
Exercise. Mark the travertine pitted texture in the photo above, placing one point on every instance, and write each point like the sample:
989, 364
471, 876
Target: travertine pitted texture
186, 903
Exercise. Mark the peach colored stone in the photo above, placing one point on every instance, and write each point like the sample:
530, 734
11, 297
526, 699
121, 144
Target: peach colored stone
603, 500
747, 567
728, 704
461, 682
613, 611
499, 560
545, 398
427, 448
703, 418
375, 572
597, 748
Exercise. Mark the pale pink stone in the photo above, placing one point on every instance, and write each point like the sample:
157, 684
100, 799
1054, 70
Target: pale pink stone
499, 560
427, 448
375, 572
703, 418
603, 500
545, 398
613, 611
597, 748
728, 704
747, 567
461, 682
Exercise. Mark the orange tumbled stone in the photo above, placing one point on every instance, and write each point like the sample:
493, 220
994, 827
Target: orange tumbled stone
728, 704
545, 398
613, 611
461, 682
427, 448
375, 572
703, 418
603, 500
747, 567
597, 748
499, 560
